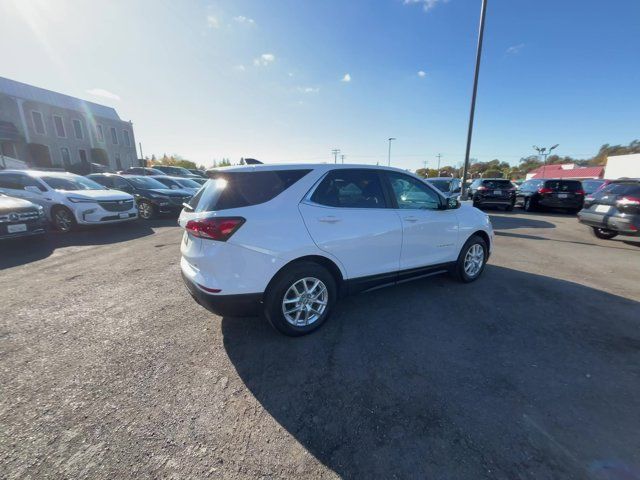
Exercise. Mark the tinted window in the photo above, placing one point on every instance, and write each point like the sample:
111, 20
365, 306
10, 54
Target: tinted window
622, 188
120, 183
590, 186
145, 182
11, 180
563, 185
442, 185
104, 181
497, 184
168, 182
357, 188
411, 193
243, 189
71, 182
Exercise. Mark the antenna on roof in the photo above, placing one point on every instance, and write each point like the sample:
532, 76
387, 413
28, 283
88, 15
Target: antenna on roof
252, 161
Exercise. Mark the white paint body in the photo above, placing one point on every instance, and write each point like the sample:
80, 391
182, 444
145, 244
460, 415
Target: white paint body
359, 241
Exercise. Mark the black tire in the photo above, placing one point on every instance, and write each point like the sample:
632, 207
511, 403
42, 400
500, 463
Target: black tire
476, 204
604, 233
509, 208
527, 205
147, 210
458, 271
283, 282
63, 219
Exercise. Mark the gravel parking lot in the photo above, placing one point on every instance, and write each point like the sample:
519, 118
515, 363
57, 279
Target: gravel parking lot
110, 370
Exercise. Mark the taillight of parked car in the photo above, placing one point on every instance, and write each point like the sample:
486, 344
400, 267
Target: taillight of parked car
482, 189
579, 192
628, 204
544, 190
214, 228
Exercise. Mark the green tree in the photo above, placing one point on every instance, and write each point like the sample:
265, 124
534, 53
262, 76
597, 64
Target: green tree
492, 173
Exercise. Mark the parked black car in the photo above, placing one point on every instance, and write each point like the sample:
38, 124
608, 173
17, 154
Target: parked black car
553, 193
614, 210
492, 192
175, 171
199, 173
141, 171
152, 197
20, 218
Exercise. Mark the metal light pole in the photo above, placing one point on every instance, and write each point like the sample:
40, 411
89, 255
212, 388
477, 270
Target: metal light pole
543, 152
439, 157
389, 156
465, 170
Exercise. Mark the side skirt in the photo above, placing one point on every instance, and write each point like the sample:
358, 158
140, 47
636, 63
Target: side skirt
374, 282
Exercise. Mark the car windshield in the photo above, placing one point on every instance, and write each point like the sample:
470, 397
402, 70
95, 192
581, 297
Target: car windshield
145, 182
498, 184
442, 185
71, 182
590, 186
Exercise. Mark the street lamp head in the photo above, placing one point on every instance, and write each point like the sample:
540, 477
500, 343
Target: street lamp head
391, 138
555, 146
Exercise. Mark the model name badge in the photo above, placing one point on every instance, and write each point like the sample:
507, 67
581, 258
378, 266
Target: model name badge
446, 245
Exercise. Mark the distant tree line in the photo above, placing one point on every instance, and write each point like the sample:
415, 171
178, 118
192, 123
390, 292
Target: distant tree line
498, 169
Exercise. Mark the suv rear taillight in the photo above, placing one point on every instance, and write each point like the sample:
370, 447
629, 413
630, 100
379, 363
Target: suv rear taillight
545, 190
628, 204
579, 192
214, 228
482, 188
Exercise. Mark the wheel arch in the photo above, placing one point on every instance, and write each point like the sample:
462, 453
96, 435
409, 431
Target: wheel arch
327, 263
484, 235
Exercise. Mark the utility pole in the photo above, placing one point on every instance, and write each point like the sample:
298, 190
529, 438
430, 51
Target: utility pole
544, 152
439, 157
389, 156
483, 12
335, 153
144, 162
342, 158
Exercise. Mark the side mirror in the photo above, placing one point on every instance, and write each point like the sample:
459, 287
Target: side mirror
32, 189
453, 203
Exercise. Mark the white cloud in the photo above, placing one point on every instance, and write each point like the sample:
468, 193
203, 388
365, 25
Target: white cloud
308, 89
346, 78
515, 49
264, 60
290, 74
240, 68
244, 20
212, 21
422, 73
426, 4
101, 92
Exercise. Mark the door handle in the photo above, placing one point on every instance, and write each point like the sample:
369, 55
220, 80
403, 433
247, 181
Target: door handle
329, 219
411, 219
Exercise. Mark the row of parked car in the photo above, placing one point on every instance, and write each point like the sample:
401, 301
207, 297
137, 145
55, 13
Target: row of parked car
609, 207
32, 199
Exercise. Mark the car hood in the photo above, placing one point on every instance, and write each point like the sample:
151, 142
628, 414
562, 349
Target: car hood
167, 192
11, 204
96, 194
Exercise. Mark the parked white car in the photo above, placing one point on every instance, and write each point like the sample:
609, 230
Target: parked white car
69, 199
289, 240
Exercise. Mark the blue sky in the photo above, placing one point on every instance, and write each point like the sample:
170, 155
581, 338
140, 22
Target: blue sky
268, 79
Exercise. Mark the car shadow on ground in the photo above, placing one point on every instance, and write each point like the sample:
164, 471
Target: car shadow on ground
503, 222
25, 250
437, 379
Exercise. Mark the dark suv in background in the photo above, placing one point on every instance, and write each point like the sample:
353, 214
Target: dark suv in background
614, 210
152, 197
492, 192
535, 194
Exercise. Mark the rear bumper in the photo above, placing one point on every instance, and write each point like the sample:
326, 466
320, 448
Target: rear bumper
241, 305
626, 225
552, 203
494, 201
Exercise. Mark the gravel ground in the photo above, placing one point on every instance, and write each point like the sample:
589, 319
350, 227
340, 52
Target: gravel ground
110, 370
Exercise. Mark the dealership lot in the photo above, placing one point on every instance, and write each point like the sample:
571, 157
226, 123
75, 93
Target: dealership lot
109, 369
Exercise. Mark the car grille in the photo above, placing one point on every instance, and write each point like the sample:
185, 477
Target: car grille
179, 200
116, 205
19, 216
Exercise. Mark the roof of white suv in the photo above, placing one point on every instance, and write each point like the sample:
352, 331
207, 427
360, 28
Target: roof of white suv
298, 166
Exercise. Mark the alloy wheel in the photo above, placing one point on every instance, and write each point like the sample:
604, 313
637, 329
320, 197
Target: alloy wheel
473, 260
62, 219
305, 301
145, 210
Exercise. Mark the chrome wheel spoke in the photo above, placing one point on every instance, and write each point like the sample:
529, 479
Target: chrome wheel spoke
305, 301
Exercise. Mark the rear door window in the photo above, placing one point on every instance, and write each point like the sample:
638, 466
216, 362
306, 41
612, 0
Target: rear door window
243, 189
350, 188
563, 185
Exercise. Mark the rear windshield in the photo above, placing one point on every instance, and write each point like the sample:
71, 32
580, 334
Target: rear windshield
242, 189
442, 185
501, 184
622, 188
590, 186
563, 185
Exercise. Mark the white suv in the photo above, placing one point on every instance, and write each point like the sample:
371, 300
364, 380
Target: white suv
289, 240
69, 199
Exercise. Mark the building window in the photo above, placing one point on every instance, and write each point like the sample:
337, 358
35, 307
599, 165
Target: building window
125, 135
66, 157
114, 136
38, 124
100, 133
118, 162
83, 156
77, 128
59, 124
